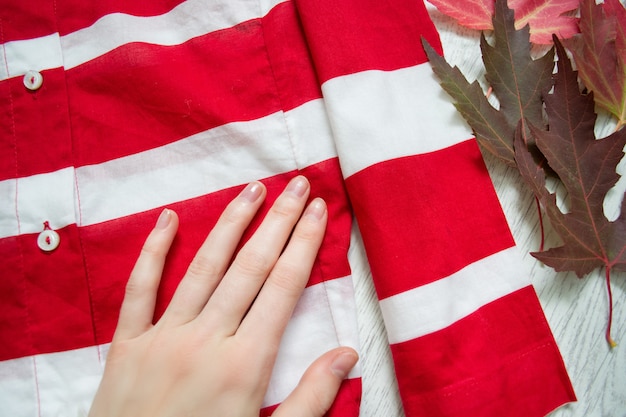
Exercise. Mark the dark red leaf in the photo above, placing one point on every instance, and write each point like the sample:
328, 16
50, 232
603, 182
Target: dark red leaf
586, 167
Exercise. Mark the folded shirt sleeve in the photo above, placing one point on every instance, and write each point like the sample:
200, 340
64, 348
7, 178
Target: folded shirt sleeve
466, 330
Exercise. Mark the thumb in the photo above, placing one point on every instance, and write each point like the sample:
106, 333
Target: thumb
318, 387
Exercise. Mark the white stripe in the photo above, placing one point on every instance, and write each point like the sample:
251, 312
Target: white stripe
266, 5
223, 157
189, 19
65, 382
437, 305
33, 54
18, 388
324, 318
8, 208
54, 384
309, 133
210, 161
378, 115
39, 198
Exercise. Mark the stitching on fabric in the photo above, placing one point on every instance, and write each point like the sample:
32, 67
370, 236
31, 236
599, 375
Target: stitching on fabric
277, 92
13, 128
466, 385
17, 214
332, 312
332, 315
78, 215
299, 168
87, 274
37, 392
4, 51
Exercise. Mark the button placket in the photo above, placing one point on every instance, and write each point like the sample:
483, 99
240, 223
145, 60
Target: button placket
46, 190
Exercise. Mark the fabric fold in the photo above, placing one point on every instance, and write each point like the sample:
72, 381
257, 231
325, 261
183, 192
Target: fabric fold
465, 327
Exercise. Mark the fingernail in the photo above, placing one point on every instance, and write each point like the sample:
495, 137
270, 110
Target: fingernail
298, 186
252, 192
316, 208
164, 219
343, 363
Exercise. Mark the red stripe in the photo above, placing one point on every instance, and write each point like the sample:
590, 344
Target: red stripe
142, 96
26, 19
440, 210
346, 403
288, 53
14, 320
45, 296
348, 399
36, 128
350, 36
8, 167
500, 361
31, 19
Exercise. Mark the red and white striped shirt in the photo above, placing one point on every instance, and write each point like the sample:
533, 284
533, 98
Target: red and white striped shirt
171, 103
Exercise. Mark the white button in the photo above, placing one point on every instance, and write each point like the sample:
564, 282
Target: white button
33, 80
48, 240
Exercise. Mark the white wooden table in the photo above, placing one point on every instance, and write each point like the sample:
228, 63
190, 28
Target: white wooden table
576, 309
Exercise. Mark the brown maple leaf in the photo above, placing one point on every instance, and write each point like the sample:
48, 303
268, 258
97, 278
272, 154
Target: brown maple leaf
517, 80
587, 169
600, 54
545, 17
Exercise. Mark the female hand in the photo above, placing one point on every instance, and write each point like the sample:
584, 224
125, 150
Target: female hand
213, 350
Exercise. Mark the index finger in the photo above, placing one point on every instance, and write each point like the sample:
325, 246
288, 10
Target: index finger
137, 309
274, 305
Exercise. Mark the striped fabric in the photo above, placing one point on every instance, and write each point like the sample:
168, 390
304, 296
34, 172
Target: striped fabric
179, 104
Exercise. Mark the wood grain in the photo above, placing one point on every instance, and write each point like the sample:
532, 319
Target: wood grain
576, 309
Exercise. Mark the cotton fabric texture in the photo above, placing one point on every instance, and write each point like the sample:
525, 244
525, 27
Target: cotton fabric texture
169, 103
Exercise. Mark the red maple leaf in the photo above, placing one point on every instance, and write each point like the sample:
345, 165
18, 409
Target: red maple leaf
545, 17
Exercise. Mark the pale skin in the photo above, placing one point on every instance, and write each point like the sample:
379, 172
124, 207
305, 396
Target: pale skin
213, 350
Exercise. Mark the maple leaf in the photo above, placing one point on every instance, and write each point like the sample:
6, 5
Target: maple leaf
586, 167
600, 54
616, 9
517, 80
544, 17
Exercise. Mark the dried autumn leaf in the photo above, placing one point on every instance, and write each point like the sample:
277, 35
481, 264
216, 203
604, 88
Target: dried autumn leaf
600, 54
616, 9
587, 169
545, 17
517, 80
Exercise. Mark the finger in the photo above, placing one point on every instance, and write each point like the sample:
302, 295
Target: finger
241, 283
210, 263
137, 309
319, 385
274, 305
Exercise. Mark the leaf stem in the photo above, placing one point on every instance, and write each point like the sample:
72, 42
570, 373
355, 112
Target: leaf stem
489, 91
610, 341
